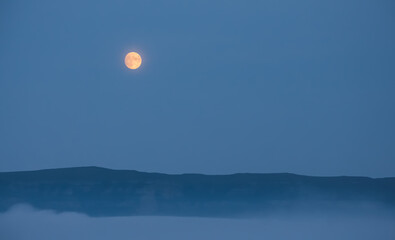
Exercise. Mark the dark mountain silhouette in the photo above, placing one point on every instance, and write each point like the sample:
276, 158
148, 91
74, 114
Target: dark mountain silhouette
103, 192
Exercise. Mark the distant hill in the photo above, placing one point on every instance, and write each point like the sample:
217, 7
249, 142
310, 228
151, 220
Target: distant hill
103, 192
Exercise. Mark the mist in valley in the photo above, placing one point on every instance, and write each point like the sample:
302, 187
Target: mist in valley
24, 222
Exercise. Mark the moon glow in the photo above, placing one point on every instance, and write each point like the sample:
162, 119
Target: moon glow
133, 60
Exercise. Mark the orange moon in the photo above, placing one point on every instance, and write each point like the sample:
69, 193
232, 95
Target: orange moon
133, 60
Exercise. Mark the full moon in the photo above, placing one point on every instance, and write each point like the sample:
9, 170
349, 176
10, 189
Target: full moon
133, 60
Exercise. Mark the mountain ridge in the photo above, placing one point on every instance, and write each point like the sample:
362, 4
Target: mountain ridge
100, 191
93, 167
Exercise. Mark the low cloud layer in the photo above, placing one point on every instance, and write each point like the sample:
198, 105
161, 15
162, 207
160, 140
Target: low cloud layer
23, 222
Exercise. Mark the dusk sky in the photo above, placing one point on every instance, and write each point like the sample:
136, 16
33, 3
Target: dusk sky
306, 86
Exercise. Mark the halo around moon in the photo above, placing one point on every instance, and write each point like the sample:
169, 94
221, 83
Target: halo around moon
133, 60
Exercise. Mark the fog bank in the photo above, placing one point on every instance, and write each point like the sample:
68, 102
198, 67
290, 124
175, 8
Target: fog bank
23, 222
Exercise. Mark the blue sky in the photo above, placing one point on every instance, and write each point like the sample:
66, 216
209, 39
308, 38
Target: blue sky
225, 86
